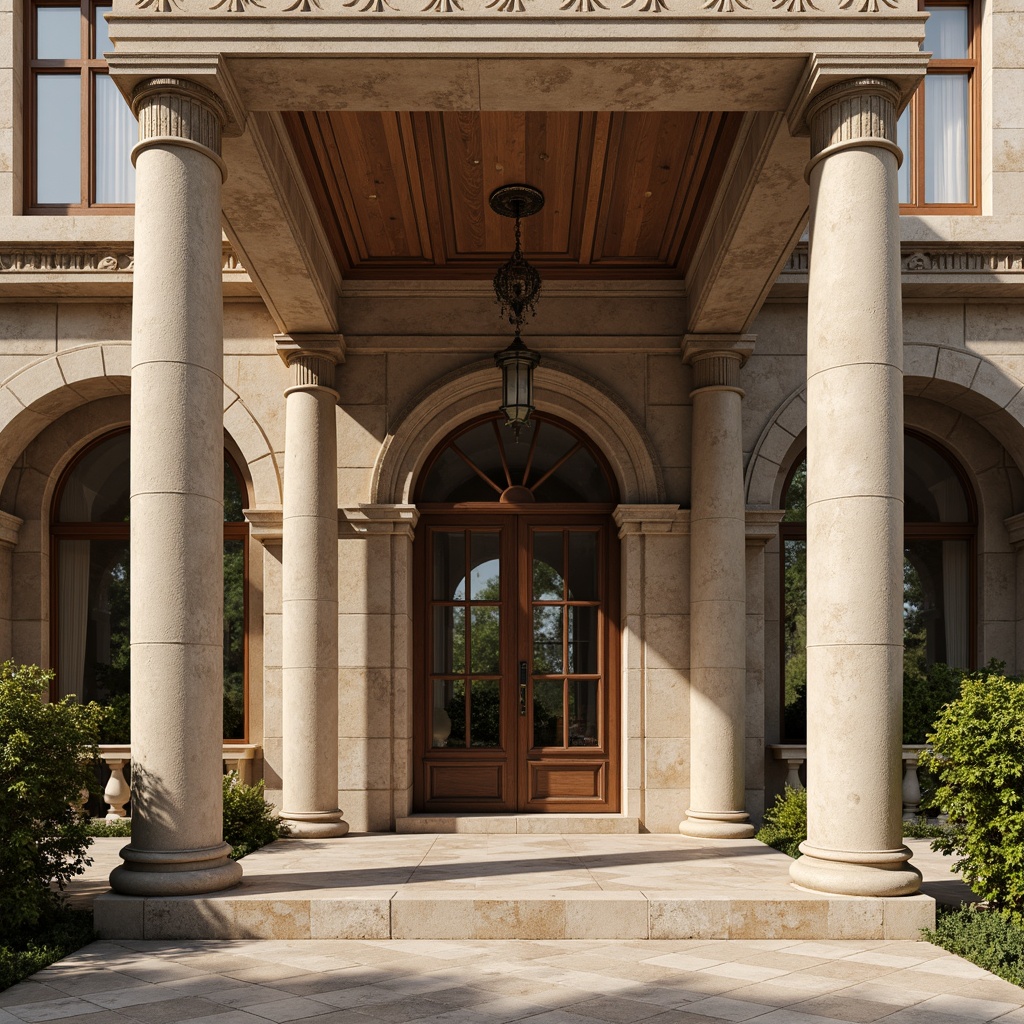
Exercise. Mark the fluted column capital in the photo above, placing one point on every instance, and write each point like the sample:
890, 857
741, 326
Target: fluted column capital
312, 359
716, 360
853, 114
179, 112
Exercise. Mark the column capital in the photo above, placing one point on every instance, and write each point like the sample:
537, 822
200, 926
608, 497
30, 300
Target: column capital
9, 527
855, 113
651, 519
179, 112
716, 360
379, 520
762, 525
312, 359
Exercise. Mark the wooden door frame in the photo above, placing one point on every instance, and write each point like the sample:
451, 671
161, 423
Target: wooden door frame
518, 519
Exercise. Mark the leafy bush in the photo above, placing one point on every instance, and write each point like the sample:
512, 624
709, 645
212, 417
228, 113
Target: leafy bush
69, 930
925, 692
115, 719
920, 829
249, 821
46, 750
989, 940
978, 762
101, 828
785, 822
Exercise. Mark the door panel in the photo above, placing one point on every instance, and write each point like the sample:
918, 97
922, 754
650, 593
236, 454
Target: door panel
516, 692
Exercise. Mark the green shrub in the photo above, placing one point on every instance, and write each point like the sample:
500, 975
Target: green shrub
46, 754
101, 828
978, 763
67, 931
785, 822
115, 719
249, 821
920, 829
925, 692
989, 940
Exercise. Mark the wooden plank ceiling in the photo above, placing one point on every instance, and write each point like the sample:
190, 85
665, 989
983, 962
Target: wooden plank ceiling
404, 195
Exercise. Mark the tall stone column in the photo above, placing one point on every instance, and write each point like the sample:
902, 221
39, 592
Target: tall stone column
309, 598
177, 498
717, 592
854, 499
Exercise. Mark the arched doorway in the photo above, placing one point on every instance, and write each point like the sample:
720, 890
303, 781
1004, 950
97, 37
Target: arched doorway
516, 638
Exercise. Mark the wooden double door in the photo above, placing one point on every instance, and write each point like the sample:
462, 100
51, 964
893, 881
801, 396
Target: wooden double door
517, 688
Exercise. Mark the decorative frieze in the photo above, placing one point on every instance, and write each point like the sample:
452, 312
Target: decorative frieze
36, 260
959, 260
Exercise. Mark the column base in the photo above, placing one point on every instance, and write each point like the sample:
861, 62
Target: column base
315, 824
717, 825
855, 873
175, 872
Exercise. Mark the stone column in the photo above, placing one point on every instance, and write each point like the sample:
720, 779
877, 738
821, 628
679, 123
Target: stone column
309, 590
718, 609
854, 499
177, 496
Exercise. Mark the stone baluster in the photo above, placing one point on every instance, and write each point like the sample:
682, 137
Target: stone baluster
718, 581
177, 495
854, 499
117, 792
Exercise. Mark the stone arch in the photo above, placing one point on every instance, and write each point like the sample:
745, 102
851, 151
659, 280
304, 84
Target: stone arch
969, 384
558, 389
39, 394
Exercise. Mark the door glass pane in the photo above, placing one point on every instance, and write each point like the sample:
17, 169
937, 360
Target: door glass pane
583, 713
58, 33
903, 175
450, 566
548, 568
945, 34
449, 640
485, 713
449, 704
583, 641
116, 132
547, 640
485, 640
485, 575
58, 138
582, 566
102, 42
234, 639
945, 139
548, 714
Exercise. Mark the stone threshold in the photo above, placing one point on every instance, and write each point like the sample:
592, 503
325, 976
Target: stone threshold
518, 824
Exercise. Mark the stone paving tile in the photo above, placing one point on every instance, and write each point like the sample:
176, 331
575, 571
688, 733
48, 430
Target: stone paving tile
549, 982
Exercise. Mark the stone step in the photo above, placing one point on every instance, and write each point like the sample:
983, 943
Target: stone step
521, 824
497, 914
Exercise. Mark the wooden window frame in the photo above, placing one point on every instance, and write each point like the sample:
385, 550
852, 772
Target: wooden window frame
971, 66
122, 531
88, 69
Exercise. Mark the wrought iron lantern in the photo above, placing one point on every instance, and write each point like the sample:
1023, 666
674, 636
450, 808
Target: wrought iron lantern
517, 286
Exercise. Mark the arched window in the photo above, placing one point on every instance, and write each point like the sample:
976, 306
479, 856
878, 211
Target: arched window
90, 575
551, 462
939, 578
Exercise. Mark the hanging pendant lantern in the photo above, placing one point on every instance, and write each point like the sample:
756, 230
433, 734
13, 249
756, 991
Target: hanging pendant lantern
517, 286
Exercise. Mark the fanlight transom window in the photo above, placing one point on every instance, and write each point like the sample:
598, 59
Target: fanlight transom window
482, 462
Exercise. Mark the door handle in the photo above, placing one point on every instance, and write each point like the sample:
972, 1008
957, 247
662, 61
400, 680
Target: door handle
523, 669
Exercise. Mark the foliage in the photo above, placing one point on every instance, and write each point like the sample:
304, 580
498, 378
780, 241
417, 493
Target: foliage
249, 821
101, 828
926, 691
46, 754
785, 822
115, 719
978, 762
234, 639
66, 931
920, 829
992, 941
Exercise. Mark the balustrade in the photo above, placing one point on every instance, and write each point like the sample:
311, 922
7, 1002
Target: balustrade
237, 757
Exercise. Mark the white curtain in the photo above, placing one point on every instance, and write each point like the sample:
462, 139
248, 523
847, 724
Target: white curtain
945, 139
116, 132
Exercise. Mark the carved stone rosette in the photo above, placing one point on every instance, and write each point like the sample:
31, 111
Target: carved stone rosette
857, 113
177, 112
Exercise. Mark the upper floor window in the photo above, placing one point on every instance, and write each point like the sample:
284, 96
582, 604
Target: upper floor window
80, 130
938, 131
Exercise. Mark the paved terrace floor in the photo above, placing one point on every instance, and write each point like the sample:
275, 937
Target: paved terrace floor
488, 886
